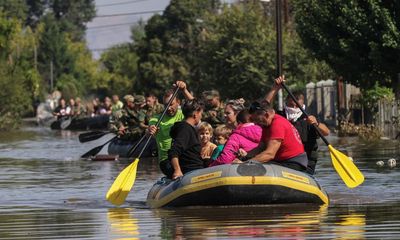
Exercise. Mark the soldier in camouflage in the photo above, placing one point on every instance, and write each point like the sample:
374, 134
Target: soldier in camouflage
214, 111
153, 107
129, 123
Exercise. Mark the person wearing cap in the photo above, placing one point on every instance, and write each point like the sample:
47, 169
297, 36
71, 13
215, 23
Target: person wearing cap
129, 122
282, 140
214, 112
152, 107
140, 104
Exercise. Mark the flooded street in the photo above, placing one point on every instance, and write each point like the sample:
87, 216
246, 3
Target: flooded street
47, 192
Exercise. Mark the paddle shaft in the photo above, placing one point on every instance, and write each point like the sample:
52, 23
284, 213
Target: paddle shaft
124, 182
90, 136
96, 150
346, 169
157, 125
304, 112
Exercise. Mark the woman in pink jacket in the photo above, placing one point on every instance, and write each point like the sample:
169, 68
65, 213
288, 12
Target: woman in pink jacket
246, 136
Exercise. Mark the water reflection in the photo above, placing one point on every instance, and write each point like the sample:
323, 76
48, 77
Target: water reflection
351, 226
294, 221
123, 223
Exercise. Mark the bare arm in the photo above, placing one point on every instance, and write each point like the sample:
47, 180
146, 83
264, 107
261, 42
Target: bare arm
275, 89
269, 153
185, 91
321, 127
177, 168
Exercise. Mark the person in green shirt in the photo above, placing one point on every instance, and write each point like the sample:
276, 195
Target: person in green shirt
173, 115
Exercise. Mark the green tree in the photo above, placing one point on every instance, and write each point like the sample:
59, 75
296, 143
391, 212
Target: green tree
54, 49
166, 51
232, 50
18, 77
121, 63
358, 39
73, 15
238, 52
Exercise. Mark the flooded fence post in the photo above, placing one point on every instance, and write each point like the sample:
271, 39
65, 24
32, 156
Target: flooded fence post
310, 97
321, 101
387, 117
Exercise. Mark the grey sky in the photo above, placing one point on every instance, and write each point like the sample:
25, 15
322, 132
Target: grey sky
99, 36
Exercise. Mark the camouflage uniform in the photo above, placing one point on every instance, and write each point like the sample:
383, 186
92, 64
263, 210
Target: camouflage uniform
152, 111
217, 120
129, 118
209, 111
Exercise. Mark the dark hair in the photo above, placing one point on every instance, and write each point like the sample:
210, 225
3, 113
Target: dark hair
243, 116
169, 93
258, 107
297, 94
150, 94
191, 106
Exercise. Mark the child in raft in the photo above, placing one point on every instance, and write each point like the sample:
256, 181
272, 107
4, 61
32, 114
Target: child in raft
221, 135
246, 136
205, 132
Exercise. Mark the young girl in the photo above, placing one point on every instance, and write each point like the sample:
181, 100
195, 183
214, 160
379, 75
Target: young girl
221, 134
246, 136
205, 132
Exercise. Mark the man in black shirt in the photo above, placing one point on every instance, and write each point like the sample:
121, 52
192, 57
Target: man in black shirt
184, 155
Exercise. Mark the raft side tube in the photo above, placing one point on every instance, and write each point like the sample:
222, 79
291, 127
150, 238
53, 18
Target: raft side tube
237, 184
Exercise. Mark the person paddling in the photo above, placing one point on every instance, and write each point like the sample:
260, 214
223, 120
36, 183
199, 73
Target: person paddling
304, 125
174, 114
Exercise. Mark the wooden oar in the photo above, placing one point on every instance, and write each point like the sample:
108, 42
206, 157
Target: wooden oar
97, 149
123, 184
346, 169
90, 136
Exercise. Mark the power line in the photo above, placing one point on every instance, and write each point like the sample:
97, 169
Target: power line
121, 3
132, 13
111, 25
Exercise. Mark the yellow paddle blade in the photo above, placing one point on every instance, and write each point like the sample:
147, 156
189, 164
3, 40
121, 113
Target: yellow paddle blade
346, 169
119, 190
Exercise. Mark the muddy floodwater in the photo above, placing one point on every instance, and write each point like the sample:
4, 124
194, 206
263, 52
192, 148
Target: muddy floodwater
48, 192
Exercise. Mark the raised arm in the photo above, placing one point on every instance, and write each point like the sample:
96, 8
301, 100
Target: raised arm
275, 88
185, 91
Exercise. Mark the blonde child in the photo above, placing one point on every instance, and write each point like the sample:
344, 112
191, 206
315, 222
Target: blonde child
222, 134
205, 132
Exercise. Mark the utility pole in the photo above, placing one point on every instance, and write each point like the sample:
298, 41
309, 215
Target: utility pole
278, 22
51, 76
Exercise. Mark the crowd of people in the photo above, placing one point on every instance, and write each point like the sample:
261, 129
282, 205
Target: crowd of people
75, 108
205, 131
